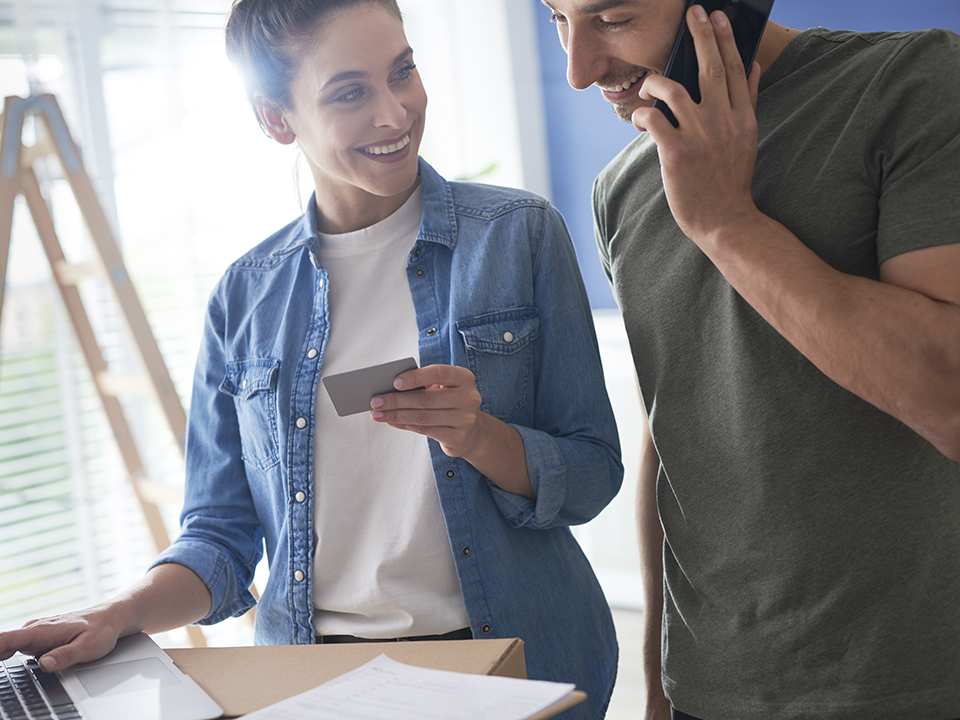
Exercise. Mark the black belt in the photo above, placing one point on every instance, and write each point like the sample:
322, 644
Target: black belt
461, 634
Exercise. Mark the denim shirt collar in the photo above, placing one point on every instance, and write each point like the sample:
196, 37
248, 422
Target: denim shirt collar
439, 223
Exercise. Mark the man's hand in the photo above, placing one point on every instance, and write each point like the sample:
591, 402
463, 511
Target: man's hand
657, 708
707, 162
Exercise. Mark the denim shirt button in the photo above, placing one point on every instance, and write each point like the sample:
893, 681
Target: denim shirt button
450, 474
431, 332
508, 337
485, 628
313, 353
421, 273
301, 496
465, 551
299, 576
417, 251
301, 423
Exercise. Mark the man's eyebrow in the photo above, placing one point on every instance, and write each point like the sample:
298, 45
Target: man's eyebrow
597, 7
354, 74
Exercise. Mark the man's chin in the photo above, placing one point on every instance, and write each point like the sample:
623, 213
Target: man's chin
623, 111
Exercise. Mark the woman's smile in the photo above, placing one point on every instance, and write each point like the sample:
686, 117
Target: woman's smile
389, 150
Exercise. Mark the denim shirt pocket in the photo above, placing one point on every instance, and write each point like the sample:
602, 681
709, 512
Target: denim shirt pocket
253, 386
499, 348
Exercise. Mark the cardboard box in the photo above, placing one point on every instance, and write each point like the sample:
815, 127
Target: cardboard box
244, 679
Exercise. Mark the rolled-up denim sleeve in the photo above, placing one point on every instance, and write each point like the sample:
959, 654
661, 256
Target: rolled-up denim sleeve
220, 539
572, 447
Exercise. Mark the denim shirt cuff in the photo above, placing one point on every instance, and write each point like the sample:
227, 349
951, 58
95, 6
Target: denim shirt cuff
210, 565
547, 470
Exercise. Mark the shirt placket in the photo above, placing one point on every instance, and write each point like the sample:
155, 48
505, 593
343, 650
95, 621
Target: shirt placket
301, 494
434, 340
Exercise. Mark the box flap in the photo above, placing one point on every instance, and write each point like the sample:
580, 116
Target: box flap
244, 679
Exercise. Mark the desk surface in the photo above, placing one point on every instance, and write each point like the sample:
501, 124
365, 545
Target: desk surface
245, 679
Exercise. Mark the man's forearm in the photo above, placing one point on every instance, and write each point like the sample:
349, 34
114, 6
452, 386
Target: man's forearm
896, 348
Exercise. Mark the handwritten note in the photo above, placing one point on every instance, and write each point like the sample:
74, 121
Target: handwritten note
384, 689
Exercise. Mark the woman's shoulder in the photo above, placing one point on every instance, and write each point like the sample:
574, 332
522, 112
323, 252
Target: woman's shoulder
277, 247
489, 201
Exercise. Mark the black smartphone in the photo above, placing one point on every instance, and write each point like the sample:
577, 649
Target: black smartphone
748, 18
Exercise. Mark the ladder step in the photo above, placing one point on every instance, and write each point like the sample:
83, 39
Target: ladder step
42, 148
159, 493
115, 384
72, 273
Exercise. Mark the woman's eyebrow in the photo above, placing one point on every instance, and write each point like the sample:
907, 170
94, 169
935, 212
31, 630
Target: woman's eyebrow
354, 74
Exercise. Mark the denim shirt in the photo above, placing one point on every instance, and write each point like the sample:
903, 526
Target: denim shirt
496, 289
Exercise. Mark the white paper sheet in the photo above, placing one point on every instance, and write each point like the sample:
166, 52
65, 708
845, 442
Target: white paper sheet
385, 689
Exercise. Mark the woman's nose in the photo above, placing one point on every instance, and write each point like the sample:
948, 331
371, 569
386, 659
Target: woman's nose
390, 111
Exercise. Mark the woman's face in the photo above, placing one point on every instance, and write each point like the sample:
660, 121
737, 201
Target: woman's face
357, 110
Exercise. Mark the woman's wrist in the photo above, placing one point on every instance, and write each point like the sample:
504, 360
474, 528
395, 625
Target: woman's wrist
500, 455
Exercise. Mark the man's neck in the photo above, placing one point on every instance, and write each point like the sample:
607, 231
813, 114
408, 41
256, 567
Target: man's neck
775, 40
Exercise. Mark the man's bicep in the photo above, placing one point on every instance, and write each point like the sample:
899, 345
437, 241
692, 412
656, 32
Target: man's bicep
932, 271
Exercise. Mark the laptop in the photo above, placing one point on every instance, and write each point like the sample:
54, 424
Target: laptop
136, 680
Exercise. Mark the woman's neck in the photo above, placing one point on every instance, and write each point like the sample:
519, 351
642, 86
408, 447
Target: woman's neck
338, 214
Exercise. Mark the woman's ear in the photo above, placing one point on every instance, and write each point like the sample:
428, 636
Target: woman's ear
273, 120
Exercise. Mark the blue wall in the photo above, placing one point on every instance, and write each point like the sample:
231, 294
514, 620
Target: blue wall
583, 134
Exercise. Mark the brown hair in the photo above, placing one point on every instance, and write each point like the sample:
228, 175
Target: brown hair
265, 37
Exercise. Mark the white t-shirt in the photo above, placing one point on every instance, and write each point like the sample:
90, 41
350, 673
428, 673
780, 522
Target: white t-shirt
383, 566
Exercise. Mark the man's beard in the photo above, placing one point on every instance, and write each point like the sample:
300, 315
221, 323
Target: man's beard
623, 112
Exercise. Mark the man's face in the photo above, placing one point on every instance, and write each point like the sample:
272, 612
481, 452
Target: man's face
616, 44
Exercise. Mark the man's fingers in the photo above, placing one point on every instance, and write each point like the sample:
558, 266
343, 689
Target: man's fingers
735, 74
713, 72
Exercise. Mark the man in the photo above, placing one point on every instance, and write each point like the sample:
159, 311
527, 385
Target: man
794, 316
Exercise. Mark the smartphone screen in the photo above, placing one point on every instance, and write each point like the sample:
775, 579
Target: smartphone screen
748, 18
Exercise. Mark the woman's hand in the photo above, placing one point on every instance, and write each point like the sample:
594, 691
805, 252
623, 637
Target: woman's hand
168, 596
443, 403
64, 640
439, 401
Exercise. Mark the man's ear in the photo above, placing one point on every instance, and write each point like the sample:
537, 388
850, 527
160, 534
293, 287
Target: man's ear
273, 120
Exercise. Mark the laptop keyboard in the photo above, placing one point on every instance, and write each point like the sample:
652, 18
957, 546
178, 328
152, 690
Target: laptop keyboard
28, 693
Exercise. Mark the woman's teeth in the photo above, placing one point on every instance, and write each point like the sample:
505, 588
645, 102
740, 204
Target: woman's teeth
623, 86
387, 149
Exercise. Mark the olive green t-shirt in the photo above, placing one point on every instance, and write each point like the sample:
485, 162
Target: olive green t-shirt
812, 553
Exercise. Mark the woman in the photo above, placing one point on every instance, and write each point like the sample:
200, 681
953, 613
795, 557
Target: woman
372, 531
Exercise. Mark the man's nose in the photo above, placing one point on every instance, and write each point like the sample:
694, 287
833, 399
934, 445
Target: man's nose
584, 58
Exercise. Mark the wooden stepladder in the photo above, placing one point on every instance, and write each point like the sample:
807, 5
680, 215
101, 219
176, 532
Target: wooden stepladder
17, 177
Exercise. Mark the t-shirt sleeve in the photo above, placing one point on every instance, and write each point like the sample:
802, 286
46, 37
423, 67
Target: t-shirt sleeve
599, 227
917, 146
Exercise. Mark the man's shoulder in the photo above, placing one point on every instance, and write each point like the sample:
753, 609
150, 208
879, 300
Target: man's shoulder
827, 50
884, 39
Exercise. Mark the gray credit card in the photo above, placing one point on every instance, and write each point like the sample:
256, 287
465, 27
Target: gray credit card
351, 392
